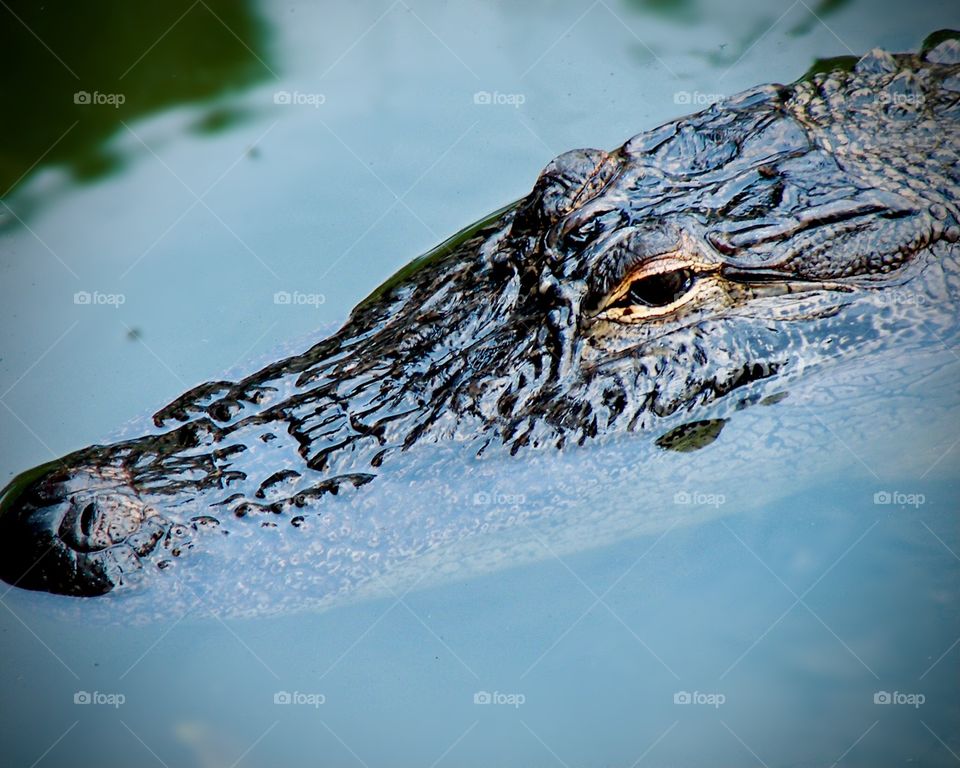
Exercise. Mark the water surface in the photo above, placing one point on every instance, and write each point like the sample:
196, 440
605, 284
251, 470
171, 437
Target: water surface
313, 148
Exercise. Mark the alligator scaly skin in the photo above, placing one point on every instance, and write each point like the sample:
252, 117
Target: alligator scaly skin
626, 291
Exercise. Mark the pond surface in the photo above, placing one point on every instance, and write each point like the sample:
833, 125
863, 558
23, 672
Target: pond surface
214, 185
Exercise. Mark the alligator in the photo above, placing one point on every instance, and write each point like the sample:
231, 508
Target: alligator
713, 255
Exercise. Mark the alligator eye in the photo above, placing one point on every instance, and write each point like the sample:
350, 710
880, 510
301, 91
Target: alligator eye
655, 291
658, 290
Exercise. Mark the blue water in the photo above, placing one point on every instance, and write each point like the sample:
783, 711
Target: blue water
780, 613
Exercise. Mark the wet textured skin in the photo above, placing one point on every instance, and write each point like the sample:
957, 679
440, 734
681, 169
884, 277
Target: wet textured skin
628, 288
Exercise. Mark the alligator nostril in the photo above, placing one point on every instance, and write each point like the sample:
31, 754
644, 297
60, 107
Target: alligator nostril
56, 537
86, 519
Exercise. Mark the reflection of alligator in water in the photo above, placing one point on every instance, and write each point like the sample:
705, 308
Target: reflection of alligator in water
73, 77
727, 251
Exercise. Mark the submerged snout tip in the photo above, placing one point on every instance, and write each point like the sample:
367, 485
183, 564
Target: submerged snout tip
46, 536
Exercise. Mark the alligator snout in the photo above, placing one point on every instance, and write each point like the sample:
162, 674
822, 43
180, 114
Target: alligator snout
73, 531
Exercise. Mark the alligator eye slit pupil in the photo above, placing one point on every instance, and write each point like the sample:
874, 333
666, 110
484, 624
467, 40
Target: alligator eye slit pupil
661, 289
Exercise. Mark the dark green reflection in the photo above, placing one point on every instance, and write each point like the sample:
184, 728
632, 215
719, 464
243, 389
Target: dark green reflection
94, 64
816, 15
684, 11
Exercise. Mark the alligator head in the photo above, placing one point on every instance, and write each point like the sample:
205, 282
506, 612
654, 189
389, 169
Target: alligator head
747, 243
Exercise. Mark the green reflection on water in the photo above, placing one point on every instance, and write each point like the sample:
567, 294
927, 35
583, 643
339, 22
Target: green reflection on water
73, 73
684, 11
817, 14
